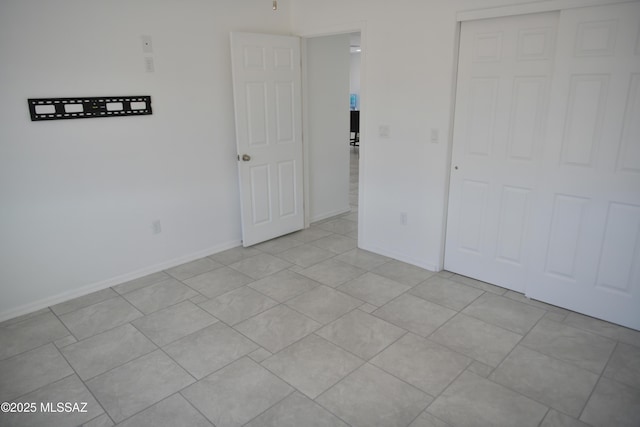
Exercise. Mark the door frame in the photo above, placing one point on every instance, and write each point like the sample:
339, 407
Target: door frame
356, 27
486, 13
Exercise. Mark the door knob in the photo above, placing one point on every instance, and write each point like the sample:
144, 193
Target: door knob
246, 157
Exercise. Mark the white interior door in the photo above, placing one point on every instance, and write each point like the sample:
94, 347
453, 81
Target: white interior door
586, 254
503, 88
267, 97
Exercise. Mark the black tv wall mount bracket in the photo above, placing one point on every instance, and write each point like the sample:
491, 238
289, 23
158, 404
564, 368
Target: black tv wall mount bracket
88, 107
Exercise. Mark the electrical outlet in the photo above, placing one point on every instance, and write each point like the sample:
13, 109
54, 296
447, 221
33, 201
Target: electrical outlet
384, 131
156, 226
147, 44
403, 218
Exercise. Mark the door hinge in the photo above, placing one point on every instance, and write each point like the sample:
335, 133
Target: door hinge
238, 157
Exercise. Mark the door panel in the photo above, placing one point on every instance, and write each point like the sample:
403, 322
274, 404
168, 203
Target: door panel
589, 193
503, 88
267, 98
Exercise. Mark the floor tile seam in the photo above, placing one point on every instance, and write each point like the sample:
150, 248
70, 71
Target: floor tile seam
106, 330
556, 359
567, 361
451, 308
546, 406
370, 361
522, 336
428, 395
156, 403
318, 321
162, 347
58, 316
444, 390
323, 339
604, 370
104, 411
512, 348
420, 413
393, 322
120, 293
168, 279
425, 411
617, 338
368, 270
496, 324
296, 388
86, 386
435, 343
288, 299
330, 342
184, 336
195, 275
337, 260
200, 293
27, 316
330, 250
269, 408
308, 241
270, 308
453, 278
15, 399
408, 291
157, 347
530, 302
405, 332
96, 417
180, 391
116, 294
549, 406
600, 377
253, 256
45, 343
493, 368
329, 410
279, 251
304, 267
242, 257
590, 396
172, 306
575, 365
252, 316
366, 362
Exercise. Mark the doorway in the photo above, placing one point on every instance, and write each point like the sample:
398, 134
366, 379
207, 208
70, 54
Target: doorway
331, 81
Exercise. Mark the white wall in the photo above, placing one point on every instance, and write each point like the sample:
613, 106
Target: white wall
328, 125
77, 197
408, 74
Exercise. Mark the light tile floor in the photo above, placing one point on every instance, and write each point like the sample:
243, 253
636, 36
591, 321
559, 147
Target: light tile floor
308, 330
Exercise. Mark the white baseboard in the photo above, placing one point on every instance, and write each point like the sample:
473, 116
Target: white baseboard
326, 215
103, 284
397, 256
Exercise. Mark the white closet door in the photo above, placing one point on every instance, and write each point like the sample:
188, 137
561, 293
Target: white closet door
586, 253
504, 80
